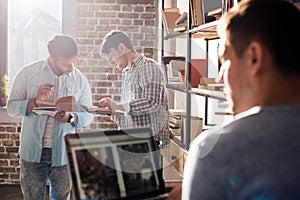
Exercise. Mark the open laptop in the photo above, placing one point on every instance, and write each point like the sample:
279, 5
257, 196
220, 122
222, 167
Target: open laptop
115, 164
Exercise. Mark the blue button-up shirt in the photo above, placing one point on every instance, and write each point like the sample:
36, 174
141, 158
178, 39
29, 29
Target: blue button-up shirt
25, 87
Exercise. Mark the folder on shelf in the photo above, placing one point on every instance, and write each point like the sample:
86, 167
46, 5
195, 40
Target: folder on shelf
198, 70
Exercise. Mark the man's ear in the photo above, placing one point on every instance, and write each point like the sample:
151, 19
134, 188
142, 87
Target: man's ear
122, 48
255, 57
51, 60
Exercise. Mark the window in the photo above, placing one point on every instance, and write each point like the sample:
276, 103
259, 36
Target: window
26, 26
30, 24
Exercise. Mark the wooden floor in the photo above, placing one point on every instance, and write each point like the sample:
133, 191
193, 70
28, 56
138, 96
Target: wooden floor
13, 192
10, 192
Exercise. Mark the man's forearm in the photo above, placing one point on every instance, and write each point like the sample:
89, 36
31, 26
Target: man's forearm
30, 105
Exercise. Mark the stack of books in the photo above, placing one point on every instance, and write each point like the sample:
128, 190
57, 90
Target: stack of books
175, 120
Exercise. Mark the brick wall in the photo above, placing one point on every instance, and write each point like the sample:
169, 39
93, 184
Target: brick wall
94, 19
97, 17
9, 146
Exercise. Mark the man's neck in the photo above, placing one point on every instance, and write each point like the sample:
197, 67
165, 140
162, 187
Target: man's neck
131, 56
54, 68
281, 89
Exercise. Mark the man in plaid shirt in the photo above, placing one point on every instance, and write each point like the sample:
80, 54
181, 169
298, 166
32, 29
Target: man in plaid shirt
143, 95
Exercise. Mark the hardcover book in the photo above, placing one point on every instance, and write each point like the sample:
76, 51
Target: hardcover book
169, 17
103, 111
48, 107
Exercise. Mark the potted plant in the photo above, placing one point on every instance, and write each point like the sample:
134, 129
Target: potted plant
4, 89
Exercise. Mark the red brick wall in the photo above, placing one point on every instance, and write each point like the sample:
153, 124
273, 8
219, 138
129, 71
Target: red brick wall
94, 19
9, 157
97, 17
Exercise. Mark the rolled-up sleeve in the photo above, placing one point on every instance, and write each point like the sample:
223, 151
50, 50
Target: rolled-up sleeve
84, 117
17, 101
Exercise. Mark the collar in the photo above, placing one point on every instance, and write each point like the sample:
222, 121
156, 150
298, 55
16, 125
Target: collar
134, 63
137, 59
125, 69
251, 111
46, 65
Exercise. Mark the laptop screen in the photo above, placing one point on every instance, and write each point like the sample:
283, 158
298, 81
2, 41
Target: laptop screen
114, 164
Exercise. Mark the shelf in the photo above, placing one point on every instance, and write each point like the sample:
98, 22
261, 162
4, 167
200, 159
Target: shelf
205, 31
177, 88
177, 140
201, 92
210, 27
175, 35
209, 93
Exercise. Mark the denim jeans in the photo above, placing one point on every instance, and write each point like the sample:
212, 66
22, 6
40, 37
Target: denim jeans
34, 178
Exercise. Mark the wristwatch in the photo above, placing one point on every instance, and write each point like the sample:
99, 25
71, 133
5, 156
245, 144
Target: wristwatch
71, 119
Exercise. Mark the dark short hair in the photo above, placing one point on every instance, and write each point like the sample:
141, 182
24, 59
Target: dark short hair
274, 23
113, 39
62, 46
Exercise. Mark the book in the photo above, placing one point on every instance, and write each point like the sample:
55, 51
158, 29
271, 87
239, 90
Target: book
215, 86
195, 126
217, 13
182, 19
174, 126
175, 121
179, 67
181, 23
102, 111
172, 69
210, 84
198, 13
169, 17
204, 81
198, 69
180, 27
174, 111
48, 107
51, 111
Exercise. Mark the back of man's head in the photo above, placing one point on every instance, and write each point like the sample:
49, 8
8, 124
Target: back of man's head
62, 46
274, 23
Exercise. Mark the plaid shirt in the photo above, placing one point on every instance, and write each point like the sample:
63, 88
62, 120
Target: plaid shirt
143, 91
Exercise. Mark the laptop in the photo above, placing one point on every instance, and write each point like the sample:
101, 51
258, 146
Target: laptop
115, 164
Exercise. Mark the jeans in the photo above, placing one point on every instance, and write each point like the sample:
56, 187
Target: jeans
34, 178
